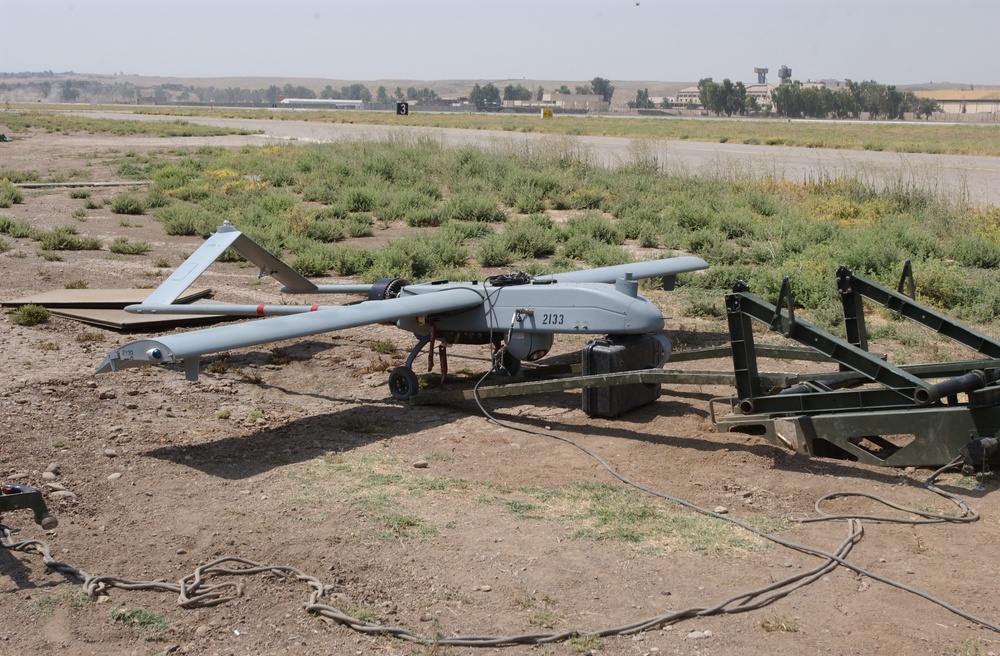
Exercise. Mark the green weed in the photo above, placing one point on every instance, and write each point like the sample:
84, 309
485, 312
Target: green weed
30, 315
779, 624
9, 194
123, 246
126, 203
72, 597
154, 627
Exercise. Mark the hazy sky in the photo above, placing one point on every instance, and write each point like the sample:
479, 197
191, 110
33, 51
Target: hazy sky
891, 41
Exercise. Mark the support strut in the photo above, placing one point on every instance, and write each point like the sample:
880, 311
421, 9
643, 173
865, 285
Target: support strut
870, 410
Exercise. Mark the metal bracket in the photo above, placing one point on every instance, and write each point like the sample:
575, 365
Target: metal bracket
15, 497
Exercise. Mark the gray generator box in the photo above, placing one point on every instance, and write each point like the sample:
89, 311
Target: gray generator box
612, 355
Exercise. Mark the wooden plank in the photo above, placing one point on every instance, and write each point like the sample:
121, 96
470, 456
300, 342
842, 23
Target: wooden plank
97, 298
122, 320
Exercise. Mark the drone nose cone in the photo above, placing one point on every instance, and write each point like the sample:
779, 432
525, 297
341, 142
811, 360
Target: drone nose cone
643, 316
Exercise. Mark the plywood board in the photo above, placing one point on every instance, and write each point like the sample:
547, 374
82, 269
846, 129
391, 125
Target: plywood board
97, 298
122, 320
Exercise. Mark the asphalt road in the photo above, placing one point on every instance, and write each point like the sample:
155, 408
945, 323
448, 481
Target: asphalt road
958, 177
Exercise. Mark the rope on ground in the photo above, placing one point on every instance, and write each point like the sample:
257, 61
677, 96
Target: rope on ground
195, 591
969, 515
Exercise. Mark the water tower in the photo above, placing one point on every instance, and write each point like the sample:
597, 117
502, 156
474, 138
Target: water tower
785, 73
761, 75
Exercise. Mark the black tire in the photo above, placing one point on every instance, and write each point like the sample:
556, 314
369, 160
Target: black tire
506, 364
403, 383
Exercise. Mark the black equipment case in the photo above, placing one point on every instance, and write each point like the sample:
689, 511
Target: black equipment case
617, 354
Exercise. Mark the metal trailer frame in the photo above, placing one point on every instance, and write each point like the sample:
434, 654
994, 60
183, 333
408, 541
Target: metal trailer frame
870, 411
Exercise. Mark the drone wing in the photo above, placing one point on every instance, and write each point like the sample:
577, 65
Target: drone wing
666, 269
191, 345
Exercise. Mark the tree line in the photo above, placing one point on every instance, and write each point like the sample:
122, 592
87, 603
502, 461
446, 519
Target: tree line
488, 97
791, 99
796, 100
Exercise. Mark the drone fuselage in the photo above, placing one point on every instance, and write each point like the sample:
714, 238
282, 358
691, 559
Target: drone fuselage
527, 316
551, 307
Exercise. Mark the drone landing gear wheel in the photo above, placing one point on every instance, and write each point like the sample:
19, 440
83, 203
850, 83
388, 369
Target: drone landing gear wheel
506, 364
403, 383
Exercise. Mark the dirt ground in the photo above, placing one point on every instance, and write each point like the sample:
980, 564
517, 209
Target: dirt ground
428, 518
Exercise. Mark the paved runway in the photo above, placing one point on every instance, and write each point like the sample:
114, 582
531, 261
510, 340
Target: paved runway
959, 177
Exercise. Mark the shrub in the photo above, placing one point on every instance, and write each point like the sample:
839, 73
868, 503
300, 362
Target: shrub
30, 315
360, 225
350, 261
942, 285
123, 246
9, 194
465, 231
183, 219
635, 220
586, 198
648, 237
126, 203
974, 251
705, 308
333, 212
464, 207
91, 244
450, 254
358, 200
16, 229
597, 226
493, 252
533, 237
601, 255
409, 257
325, 230
61, 238
400, 205
313, 261
64, 238
423, 217
321, 191
156, 198
18, 177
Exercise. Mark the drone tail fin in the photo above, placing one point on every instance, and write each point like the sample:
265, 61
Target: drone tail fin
226, 237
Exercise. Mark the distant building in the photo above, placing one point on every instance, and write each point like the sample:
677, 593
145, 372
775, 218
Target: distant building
691, 96
591, 102
321, 103
965, 101
688, 96
761, 92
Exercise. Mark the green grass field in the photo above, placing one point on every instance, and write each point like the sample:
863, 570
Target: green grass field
549, 209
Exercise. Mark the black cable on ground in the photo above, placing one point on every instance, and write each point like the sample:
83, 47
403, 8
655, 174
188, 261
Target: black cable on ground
833, 558
194, 591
